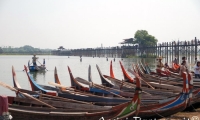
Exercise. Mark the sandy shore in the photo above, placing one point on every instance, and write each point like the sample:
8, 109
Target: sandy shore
184, 116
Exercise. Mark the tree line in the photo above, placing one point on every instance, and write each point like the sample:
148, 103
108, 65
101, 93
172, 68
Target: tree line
142, 40
27, 49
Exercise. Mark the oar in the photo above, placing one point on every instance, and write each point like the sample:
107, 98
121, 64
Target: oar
107, 90
141, 79
41, 64
81, 80
145, 81
25, 94
126, 84
142, 66
27, 66
62, 86
61, 98
98, 86
71, 90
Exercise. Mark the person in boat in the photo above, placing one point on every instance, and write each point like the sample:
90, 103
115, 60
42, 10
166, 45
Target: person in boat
166, 66
175, 61
197, 70
159, 63
183, 68
176, 66
34, 59
43, 63
185, 59
160, 67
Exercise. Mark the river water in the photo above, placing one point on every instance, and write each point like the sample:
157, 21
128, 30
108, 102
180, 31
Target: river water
79, 69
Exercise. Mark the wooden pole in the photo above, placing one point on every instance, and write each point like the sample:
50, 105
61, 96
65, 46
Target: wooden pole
172, 51
167, 52
156, 50
195, 40
178, 50
160, 50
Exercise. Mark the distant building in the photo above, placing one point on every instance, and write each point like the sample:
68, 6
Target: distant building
61, 51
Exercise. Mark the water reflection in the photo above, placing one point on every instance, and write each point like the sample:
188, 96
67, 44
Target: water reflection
129, 61
36, 74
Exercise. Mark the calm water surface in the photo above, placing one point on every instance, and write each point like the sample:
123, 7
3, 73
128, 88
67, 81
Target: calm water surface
79, 69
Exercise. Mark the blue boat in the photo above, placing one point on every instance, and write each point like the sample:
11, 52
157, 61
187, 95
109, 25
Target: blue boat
35, 68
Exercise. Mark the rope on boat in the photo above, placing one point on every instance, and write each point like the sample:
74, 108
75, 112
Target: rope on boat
41, 64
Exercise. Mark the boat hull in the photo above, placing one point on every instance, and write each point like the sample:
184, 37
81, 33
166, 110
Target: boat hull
36, 68
47, 114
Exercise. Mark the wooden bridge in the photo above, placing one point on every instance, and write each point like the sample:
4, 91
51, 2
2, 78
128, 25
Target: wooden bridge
168, 50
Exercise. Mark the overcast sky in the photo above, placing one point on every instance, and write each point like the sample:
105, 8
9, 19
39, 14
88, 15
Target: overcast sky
90, 23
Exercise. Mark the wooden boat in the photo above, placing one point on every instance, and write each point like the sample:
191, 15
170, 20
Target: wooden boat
172, 81
93, 88
106, 82
122, 85
195, 98
152, 85
173, 73
158, 77
127, 78
34, 109
173, 106
101, 91
194, 94
138, 68
175, 68
167, 93
53, 100
127, 86
167, 106
89, 74
103, 80
33, 68
96, 88
76, 95
111, 70
107, 91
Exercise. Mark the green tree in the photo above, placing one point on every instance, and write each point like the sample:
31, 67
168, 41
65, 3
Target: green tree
143, 39
61, 48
